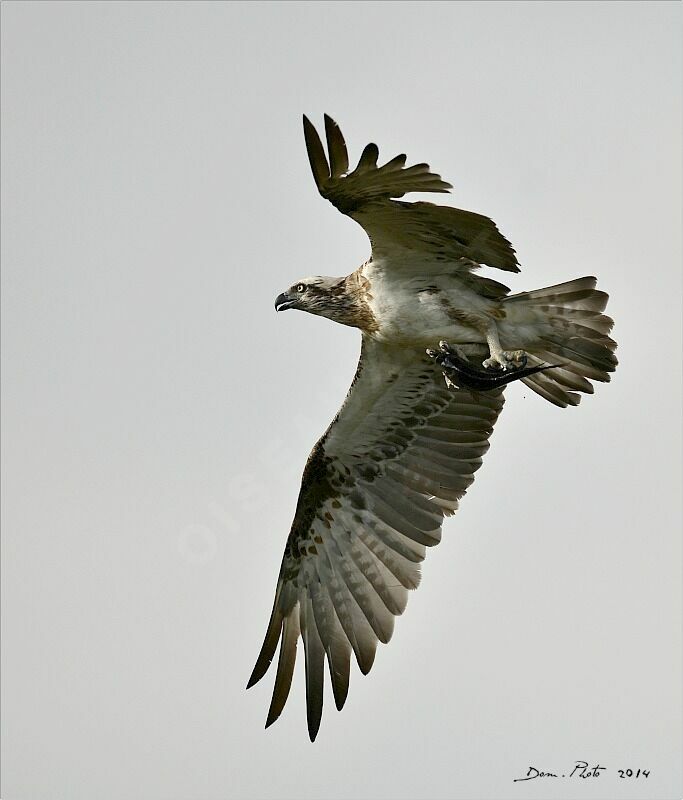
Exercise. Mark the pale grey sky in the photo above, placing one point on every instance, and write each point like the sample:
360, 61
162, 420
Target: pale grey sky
157, 412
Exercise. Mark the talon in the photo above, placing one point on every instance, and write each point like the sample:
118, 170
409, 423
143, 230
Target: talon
517, 357
449, 383
497, 362
506, 360
453, 350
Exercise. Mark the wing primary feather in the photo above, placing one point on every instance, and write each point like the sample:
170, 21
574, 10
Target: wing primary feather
315, 667
269, 644
339, 157
368, 158
396, 164
316, 154
334, 642
339, 661
285, 666
417, 171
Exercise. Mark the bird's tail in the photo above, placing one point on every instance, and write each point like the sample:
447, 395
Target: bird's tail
562, 324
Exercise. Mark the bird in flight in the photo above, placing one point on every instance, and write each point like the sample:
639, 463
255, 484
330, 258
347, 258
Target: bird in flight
404, 447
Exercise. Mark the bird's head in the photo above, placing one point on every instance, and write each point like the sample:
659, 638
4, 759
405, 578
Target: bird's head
326, 297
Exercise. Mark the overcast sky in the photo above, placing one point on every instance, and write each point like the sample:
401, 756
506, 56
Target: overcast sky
158, 414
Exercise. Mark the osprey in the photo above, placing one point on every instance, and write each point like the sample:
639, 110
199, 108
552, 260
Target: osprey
404, 447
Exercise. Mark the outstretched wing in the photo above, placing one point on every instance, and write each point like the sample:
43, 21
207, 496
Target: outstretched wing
397, 458
394, 227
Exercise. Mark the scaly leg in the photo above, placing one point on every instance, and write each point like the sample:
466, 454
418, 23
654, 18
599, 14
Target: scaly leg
505, 359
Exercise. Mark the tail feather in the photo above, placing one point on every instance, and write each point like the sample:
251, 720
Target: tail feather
594, 320
570, 374
583, 351
545, 384
565, 377
562, 324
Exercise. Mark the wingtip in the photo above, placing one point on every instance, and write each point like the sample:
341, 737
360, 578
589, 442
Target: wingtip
339, 702
252, 680
256, 675
270, 720
330, 122
313, 732
259, 671
316, 154
366, 666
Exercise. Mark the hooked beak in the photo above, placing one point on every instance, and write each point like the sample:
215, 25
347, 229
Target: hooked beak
283, 302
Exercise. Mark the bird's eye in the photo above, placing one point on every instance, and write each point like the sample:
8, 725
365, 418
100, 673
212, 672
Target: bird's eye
300, 287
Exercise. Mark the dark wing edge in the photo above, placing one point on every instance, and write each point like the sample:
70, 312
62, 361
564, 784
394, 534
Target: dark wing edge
369, 506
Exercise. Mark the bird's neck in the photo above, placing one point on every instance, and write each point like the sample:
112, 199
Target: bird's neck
348, 303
